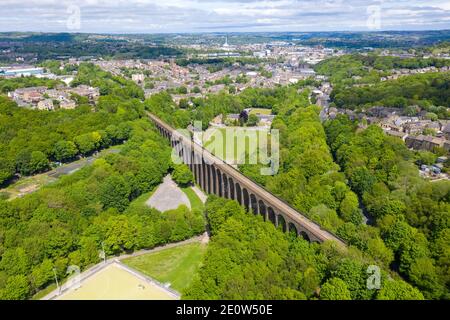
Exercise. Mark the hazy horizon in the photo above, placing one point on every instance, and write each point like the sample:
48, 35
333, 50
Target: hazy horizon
222, 32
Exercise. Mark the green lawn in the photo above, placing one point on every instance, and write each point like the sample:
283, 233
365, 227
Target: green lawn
139, 202
261, 111
195, 201
244, 140
39, 295
52, 286
176, 265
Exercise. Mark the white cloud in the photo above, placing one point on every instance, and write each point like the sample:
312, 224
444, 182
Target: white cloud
235, 15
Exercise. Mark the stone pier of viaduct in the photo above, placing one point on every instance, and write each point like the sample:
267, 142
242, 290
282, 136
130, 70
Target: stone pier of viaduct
217, 177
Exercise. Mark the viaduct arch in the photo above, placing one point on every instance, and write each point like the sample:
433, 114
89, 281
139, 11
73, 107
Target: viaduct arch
216, 177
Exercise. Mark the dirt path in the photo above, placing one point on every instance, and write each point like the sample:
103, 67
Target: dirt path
200, 194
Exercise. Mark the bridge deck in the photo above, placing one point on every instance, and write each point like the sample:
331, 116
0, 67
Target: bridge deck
245, 182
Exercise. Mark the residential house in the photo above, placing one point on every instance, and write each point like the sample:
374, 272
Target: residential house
67, 104
138, 78
446, 131
397, 134
402, 120
427, 143
85, 91
46, 104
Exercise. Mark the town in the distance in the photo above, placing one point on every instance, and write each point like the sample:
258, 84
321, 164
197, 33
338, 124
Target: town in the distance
102, 197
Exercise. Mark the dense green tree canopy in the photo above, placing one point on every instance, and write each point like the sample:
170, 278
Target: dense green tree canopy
99, 206
335, 289
182, 175
248, 258
332, 174
357, 83
398, 290
28, 136
408, 212
335, 175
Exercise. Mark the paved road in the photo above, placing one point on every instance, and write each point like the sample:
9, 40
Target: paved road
168, 196
77, 165
324, 102
27, 185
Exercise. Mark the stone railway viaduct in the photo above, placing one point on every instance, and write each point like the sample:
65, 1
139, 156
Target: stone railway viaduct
217, 177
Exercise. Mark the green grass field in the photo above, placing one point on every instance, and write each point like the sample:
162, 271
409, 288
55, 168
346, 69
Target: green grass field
261, 111
139, 202
176, 265
39, 295
245, 140
195, 201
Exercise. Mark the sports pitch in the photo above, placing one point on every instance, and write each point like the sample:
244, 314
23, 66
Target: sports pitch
116, 282
233, 143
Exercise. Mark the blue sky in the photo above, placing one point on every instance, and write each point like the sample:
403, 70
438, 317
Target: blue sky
151, 16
